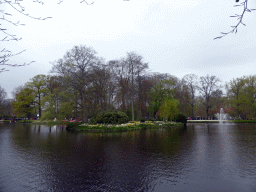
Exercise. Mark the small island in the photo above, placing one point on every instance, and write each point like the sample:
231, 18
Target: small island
119, 121
136, 125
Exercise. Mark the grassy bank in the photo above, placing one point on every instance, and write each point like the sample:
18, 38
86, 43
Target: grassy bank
224, 121
243, 121
5, 120
205, 121
124, 127
48, 122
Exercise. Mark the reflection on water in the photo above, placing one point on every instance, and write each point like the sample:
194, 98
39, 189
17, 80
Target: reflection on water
203, 157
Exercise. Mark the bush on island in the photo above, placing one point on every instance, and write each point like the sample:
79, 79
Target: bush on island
72, 125
24, 121
111, 117
181, 118
93, 120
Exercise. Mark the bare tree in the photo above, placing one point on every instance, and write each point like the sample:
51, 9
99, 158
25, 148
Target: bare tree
16, 90
3, 95
239, 18
122, 81
136, 67
76, 67
101, 87
191, 80
208, 86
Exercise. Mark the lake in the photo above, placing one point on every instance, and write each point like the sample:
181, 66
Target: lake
202, 157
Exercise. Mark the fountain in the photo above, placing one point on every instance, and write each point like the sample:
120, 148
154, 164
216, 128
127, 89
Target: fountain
222, 116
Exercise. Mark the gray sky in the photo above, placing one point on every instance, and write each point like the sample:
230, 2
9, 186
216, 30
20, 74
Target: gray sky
174, 37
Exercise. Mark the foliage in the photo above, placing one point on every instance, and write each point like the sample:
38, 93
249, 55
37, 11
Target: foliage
181, 118
127, 126
129, 112
73, 125
93, 120
241, 97
24, 103
209, 85
25, 121
191, 82
169, 109
38, 86
243, 121
58, 105
162, 91
112, 117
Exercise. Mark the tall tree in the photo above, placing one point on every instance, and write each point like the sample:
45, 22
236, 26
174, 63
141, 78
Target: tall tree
60, 101
3, 95
250, 91
121, 81
100, 88
217, 101
38, 85
234, 92
191, 80
208, 84
241, 93
169, 109
75, 68
136, 68
24, 104
164, 90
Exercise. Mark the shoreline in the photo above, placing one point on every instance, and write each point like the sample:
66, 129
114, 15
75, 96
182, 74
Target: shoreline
104, 128
224, 121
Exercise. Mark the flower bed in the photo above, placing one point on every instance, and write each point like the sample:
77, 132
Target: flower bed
127, 126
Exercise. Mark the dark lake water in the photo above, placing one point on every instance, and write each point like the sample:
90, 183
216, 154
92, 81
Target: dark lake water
203, 157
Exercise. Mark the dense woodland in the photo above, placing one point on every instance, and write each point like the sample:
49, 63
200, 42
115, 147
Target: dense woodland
82, 85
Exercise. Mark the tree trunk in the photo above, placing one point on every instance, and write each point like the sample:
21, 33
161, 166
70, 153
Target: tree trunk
192, 111
39, 107
132, 96
83, 106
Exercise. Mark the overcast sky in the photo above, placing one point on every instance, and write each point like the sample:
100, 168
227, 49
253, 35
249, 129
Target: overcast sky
174, 37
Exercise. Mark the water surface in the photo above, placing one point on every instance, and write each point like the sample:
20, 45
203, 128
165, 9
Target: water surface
203, 157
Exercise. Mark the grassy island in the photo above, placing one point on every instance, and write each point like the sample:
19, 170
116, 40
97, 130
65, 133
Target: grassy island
136, 125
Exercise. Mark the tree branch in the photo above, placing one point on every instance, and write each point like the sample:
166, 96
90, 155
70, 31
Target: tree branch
239, 17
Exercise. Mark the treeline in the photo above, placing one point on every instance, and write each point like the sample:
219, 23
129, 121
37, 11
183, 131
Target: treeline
82, 85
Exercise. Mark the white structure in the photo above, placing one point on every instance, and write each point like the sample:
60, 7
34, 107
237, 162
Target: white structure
222, 116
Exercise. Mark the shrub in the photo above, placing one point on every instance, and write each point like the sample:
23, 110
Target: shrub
142, 120
25, 121
112, 117
73, 125
93, 120
181, 118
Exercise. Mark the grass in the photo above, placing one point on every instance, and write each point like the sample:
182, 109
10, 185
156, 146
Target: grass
24, 121
243, 121
5, 120
202, 121
48, 122
136, 125
216, 121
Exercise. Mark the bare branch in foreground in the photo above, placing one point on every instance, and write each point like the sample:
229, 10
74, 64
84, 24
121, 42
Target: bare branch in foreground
239, 17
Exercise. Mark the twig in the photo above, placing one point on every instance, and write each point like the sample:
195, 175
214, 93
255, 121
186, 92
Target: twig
239, 17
